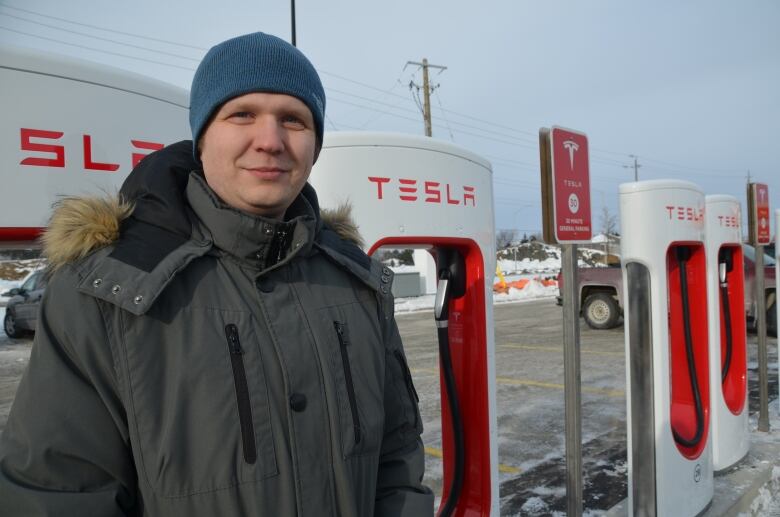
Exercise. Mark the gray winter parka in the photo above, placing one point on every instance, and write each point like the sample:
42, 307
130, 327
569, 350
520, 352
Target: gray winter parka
252, 369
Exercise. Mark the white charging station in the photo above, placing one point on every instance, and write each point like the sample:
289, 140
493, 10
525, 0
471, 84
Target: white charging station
777, 278
727, 331
417, 192
665, 292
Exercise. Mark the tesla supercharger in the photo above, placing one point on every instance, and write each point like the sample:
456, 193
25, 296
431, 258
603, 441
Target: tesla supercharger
665, 287
727, 332
777, 276
417, 192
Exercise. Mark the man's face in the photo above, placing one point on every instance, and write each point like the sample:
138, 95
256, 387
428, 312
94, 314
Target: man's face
257, 152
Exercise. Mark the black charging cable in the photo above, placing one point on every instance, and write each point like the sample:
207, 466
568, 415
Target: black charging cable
725, 265
446, 290
683, 255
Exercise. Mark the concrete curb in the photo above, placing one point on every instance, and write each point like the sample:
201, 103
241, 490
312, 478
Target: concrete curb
746, 490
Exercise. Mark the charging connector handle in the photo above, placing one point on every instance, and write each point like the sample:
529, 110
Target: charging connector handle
450, 266
683, 255
725, 265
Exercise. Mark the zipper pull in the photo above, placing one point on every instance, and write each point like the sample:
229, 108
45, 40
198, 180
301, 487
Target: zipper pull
342, 332
231, 331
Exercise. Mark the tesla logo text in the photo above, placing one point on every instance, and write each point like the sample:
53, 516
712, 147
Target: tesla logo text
427, 191
685, 213
729, 221
56, 151
573, 147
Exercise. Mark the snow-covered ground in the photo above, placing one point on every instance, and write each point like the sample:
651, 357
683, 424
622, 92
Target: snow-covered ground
534, 290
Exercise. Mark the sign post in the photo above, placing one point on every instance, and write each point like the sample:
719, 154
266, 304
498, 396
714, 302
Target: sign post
567, 221
759, 230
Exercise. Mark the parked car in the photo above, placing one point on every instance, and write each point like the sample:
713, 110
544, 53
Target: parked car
601, 293
21, 312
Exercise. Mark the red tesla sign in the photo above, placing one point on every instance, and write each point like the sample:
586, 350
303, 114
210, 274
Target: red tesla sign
761, 204
570, 185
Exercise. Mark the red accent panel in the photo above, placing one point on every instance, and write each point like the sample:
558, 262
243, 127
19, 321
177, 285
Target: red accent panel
468, 341
95, 166
140, 144
26, 134
683, 409
735, 384
14, 234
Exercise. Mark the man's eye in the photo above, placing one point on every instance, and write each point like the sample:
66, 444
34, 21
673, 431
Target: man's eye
293, 121
241, 115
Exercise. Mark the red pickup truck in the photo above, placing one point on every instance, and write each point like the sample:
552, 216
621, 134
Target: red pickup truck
601, 293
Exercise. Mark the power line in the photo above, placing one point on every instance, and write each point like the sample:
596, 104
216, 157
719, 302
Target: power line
101, 38
104, 29
96, 49
677, 168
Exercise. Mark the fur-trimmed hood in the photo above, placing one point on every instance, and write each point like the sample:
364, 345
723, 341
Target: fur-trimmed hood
81, 225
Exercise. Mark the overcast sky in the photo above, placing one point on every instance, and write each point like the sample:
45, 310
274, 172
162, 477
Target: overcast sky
690, 87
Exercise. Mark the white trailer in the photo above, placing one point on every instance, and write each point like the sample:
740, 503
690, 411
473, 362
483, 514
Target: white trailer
72, 127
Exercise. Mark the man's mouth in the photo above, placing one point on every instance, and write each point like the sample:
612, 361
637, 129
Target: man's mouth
266, 173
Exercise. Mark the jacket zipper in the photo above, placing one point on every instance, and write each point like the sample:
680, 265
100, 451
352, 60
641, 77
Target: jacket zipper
242, 393
408, 379
341, 331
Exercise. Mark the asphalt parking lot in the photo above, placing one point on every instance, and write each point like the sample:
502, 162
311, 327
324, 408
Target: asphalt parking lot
530, 403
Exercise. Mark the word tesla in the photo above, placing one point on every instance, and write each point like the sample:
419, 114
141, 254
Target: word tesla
685, 213
56, 152
431, 190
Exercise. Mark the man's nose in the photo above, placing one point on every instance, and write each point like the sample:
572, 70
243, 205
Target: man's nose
268, 135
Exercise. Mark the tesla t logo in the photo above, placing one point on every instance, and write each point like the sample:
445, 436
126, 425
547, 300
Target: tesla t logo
55, 152
427, 191
684, 213
572, 147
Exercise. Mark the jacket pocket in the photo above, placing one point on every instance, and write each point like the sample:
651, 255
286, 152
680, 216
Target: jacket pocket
411, 391
343, 336
200, 412
357, 374
242, 393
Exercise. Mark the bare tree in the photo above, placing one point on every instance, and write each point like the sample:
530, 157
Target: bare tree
504, 238
608, 228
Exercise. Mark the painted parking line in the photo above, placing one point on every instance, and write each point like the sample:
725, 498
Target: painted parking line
506, 469
508, 381
558, 350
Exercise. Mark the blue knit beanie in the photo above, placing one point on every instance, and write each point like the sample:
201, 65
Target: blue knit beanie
255, 62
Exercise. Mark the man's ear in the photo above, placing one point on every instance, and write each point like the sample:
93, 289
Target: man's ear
317, 149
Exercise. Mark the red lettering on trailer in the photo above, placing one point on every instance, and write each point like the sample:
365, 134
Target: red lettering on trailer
449, 198
140, 144
95, 166
468, 193
59, 151
410, 189
379, 182
58, 160
432, 189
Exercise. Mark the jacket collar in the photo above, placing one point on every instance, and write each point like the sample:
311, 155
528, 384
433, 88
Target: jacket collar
256, 241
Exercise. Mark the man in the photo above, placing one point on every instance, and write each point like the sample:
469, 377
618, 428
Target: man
214, 348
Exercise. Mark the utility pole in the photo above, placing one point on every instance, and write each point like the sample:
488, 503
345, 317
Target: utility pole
292, 17
427, 89
636, 166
